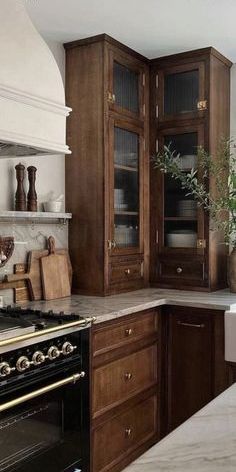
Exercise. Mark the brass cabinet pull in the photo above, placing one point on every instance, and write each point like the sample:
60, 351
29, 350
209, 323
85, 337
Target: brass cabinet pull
128, 376
36, 393
128, 332
127, 271
179, 270
128, 432
191, 325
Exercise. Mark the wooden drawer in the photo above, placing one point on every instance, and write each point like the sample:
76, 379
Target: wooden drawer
193, 270
118, 437
119, 380
125, 272
123, 332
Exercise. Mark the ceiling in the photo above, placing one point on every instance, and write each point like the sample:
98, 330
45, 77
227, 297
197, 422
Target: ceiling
151, 27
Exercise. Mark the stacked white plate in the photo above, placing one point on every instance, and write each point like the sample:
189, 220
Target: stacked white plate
119, 203
182, 238
187, 208
188, 161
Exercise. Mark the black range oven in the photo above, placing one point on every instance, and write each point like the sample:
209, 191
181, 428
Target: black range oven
44, 406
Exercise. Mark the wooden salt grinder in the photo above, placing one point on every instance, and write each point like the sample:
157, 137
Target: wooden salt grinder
32, 195
20, 197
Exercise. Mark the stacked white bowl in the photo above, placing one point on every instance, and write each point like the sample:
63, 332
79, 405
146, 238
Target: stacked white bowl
187, 208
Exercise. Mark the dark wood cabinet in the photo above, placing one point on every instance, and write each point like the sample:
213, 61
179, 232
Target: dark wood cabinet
195, 368
107, 86
186, 111
125, 386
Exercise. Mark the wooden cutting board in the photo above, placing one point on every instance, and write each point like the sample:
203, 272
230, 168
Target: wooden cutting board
55, 274
33, 275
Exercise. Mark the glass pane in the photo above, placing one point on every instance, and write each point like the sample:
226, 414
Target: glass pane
28, 431
126, 87
180, 211
126, 188
181, 92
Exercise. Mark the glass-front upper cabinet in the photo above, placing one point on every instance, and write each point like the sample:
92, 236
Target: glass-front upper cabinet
126, 188
181, 91
183, 220
126, 92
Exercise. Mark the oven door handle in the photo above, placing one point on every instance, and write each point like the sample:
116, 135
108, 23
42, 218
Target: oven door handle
36, 393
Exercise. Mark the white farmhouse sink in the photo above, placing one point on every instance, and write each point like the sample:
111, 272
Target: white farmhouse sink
230, 336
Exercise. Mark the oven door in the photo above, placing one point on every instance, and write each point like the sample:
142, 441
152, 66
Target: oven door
45, 429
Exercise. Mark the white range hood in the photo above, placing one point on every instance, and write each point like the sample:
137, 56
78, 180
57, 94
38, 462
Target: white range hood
32, 98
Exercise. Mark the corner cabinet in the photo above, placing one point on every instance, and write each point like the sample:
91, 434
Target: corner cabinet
107, 174
189, 108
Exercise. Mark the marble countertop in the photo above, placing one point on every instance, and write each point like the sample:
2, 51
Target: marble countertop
204, 443
115, 306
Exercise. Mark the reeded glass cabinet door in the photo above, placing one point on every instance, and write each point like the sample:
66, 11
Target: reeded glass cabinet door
182, 91
126, 88
126, 188
182, 218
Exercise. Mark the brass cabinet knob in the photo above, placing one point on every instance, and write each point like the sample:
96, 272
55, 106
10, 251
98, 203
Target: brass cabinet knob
128, 432
127, 271
128, 376
179, 270
128, 332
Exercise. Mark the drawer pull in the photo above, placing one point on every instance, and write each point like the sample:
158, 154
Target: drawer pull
191, 325
179, 270
128, 376
127, 271
128, 432
128, 332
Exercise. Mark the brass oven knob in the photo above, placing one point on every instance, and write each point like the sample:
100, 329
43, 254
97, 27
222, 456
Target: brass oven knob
53, 353
38, 358
67, 348
179, 270
5, 369
22, 364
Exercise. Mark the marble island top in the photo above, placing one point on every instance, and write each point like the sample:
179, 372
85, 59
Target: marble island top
204, 443
115, 306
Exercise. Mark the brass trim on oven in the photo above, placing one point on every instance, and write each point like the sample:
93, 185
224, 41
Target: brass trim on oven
25, 337
36, 393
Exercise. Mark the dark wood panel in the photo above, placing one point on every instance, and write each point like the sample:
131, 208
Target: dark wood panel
124, 332
128, 431
121, 379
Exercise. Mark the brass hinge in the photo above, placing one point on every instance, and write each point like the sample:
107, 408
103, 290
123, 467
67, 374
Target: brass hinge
144, 80
111, 97
157, 80
201, 243
202, 105
156, 111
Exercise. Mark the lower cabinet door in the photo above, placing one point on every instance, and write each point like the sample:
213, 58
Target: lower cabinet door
190, 363
114, 440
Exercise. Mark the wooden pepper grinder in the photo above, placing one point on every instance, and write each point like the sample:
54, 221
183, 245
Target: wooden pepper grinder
32, 195
20, 196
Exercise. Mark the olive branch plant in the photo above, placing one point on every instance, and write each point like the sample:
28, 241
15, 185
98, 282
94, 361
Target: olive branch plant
218, 200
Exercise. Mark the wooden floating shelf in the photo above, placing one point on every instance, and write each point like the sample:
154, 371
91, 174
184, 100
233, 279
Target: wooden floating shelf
34, 217
128, 213
128, 168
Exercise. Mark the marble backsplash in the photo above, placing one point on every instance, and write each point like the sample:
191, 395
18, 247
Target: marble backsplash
29, 237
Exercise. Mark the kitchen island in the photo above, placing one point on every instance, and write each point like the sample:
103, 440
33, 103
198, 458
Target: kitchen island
204, 443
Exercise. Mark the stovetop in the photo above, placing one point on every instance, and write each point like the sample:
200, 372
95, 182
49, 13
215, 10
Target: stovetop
24, 318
